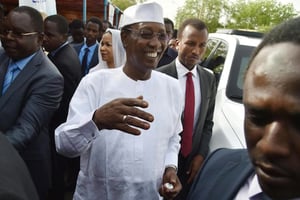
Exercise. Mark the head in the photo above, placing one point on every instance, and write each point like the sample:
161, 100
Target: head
93, 30
106, 24
22, 33
144, 38
173, 44
272, 111
76, 28
112, 53
191, 42
2, 14
56, 32
169, 27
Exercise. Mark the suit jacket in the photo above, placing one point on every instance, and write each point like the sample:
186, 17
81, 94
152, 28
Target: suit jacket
222, 175
94, 60
67, 62
168, 56
203, 128
16, 183
26, 109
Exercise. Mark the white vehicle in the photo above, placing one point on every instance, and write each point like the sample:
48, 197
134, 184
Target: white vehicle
227, 54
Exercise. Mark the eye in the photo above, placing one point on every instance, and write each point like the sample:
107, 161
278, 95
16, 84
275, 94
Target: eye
258, 117
146, 34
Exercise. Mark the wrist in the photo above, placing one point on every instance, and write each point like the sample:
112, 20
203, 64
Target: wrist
171, 167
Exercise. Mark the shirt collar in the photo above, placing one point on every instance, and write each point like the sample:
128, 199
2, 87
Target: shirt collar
56, 50
182, 70
22, 62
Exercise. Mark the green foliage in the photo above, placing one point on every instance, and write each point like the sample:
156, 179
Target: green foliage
123, 4
241, 14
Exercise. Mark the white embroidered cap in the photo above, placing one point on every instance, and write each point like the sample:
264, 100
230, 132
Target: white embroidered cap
143, 12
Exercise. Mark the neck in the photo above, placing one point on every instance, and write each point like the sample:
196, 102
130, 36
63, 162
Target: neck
135, 74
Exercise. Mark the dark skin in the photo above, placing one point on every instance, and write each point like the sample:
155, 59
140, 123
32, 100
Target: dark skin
20, 47
191, 47
53, 39
142, 57
272, 109
91, 33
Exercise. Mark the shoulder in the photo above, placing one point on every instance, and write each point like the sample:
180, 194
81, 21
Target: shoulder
168, 68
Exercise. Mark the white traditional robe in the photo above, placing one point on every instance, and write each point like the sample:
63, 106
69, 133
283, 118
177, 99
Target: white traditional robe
115, 165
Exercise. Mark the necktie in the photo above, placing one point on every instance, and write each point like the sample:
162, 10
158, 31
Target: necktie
188, 120
10, 76
84, 64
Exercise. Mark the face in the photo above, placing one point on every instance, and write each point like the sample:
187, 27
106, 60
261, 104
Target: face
106, 49
16, 44
144, 44
191, 46
52, 38
77, 35
169, 31
91, 33
172, 44
272, 119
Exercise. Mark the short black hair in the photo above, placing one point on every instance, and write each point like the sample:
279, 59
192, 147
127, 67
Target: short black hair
96, 20
60, 21
108, 22
76, 24
194, 22
37, 21
287, 31
168, 21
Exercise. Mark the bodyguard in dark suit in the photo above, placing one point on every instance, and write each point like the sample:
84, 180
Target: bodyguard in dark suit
92, 31
16, 183
67, 62
269, 167
192, 39
31, 89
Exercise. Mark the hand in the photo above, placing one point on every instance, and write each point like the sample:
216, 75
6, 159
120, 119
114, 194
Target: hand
111, 115
194, 167
171, 177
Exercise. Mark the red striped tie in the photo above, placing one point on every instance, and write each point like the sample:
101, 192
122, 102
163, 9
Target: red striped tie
188, 123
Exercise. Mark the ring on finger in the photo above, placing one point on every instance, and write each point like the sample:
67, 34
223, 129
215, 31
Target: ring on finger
125, 117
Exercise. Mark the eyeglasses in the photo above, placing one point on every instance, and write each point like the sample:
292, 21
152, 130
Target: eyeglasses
15, 34
149, 34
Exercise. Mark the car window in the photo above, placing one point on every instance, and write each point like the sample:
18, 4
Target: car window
215, 56
234, 90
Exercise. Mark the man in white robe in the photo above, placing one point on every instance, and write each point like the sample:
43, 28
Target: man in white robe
124, 123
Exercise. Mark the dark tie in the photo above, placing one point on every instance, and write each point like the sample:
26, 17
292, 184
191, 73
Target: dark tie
84, 64
9, 77
188, 120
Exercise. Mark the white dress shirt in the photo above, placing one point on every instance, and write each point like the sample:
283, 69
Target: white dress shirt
181, 72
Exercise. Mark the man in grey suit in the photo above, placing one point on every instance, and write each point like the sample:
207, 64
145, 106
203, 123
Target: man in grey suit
31, 88
269, 167
192, 37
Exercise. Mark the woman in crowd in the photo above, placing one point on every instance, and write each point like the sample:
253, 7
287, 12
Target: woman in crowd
111, 51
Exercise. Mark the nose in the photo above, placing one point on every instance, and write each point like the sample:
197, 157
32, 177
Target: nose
276, 139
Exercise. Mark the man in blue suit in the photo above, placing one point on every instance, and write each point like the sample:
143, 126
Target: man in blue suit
31, 88
269, 168
92, 31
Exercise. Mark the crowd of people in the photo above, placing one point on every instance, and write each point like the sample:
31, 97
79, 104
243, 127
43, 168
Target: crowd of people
127, 113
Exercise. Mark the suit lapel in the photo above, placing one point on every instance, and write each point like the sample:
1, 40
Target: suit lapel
28, 71
230, 181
